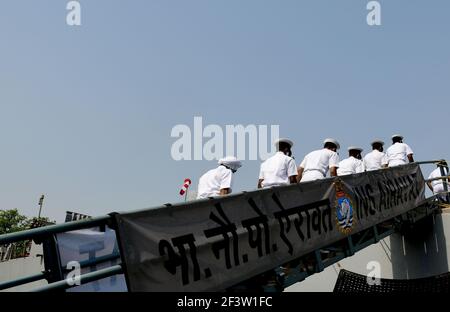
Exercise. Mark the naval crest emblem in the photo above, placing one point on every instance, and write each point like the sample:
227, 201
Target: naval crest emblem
344, 209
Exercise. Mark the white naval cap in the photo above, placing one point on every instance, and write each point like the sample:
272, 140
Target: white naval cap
355, 148
284, 140
377, 141
397, 136
335, 142
231, 161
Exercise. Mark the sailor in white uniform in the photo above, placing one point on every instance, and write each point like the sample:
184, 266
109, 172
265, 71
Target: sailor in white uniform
376, 159
279, 169
399, 153
437, 186
316, 164
218, 182
353, 164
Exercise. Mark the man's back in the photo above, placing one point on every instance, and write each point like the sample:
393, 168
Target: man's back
375, 160
317, 163
398, 154
350, 165
438, 185
277, 169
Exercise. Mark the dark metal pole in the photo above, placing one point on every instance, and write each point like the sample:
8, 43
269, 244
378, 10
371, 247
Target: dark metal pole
444, 172
41, 202
52, 260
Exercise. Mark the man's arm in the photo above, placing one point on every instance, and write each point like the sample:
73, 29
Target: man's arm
261, 176
292, 171
410, 153
384, 162
225, 183
334, 164
333, 171
300, 174
260, 183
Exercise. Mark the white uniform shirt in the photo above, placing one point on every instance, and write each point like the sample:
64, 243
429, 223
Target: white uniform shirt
277, 169
398, 154
438, 185
213, 181
350, 165
316, 164
375, 160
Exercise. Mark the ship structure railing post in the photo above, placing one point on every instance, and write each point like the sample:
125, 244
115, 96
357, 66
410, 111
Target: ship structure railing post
52, 260
444, 172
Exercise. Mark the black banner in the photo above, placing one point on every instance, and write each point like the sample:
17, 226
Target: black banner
209, 245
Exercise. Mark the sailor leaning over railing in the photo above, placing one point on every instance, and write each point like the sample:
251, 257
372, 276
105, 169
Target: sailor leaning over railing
219, 181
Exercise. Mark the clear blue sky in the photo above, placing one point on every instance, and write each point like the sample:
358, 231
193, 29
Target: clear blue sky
86, 113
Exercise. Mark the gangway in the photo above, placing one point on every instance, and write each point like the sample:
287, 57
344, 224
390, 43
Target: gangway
279, 275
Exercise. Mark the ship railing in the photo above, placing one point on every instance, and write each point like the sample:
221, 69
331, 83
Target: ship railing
54, 272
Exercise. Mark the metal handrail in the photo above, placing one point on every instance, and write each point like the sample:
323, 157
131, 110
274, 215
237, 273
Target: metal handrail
438, 178
428, 162
442, 193
22, 281
98, 260
53, 229
48, 231
84, 279
41, 276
